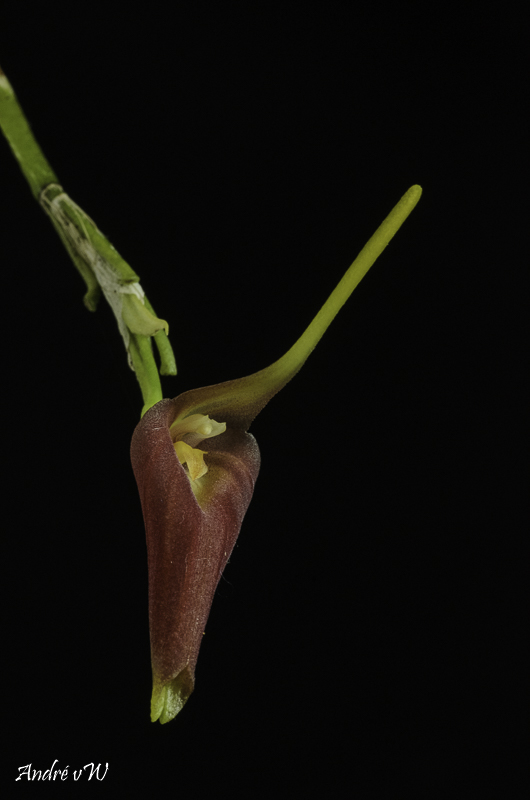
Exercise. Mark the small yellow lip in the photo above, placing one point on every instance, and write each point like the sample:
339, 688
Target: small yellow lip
187, 434
193, 458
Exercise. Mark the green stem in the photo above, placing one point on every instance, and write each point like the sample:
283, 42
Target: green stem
100, 265
16, 129
146, 371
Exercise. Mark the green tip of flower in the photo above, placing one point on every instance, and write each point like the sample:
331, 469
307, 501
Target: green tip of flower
170, 698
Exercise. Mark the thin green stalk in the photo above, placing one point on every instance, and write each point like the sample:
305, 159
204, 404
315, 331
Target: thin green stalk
100, 265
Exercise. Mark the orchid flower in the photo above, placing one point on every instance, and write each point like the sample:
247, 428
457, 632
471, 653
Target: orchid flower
196, 466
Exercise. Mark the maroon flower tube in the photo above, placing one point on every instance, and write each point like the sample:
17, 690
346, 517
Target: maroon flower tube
191, 529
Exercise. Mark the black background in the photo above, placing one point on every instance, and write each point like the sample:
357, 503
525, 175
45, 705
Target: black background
366, 636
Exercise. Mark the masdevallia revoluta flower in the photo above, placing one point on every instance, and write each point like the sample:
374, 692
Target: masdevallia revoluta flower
196, 466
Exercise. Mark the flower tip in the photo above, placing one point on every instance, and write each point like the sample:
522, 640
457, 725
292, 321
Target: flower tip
170, 698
